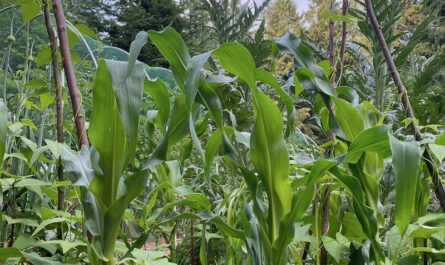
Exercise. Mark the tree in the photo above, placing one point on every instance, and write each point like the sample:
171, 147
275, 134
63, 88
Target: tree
196, 33
231, 21
118, 21
6, 3
315, 17
282, 17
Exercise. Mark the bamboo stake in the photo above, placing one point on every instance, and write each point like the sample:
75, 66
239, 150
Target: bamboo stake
405, 102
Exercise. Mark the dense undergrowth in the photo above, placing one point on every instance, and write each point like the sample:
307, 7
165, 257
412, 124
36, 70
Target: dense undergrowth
237, 165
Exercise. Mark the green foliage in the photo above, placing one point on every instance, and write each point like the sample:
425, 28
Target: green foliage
221, 153
118, 22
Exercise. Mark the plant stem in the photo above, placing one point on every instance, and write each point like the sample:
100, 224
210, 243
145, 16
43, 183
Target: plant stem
405, 102
5, 71
76, 100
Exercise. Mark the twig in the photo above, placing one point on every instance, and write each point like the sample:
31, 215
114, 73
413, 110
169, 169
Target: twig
405, 102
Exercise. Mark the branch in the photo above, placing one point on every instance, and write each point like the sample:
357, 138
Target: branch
405, 102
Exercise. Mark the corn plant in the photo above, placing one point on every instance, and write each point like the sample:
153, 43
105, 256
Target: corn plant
117, 93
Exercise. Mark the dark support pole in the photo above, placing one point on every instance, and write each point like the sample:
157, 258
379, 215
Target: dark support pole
76, 100
59, 105
405, 102
344, 33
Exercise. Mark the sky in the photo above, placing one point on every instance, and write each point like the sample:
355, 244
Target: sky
302, 5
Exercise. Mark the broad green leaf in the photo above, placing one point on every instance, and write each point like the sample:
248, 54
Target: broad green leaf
200, 199
237, 60
173, 48
325, 86
55, 147
24, 241
270, 157
350, 93
207, 216
333, 17
438, 151
27, 222
177, 128
193, 77
426, 249
78, 167
319, 169
303, 56
158, 90
6, 253
65, 245
325, 65
45, 100
431, 217
107, 135
35, 259
135, 48
30, 9
374, 139
47, 222
352, 227
36, 83
352, 184
405, 162
128, 89
84, 29
348, 118
440, 139
335, 248
423, 231
43, 56
267, 78
212, 146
